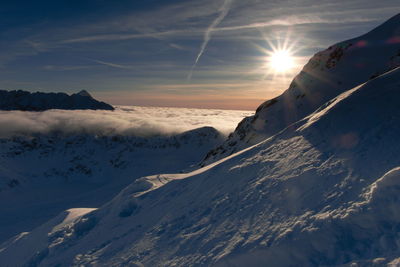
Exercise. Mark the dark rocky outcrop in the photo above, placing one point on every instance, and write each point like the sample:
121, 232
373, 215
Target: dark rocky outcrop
38, 101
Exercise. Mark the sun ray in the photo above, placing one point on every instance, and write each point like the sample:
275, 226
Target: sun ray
279, 52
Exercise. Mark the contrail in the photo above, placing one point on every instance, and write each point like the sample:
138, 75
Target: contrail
110, 64
207, 34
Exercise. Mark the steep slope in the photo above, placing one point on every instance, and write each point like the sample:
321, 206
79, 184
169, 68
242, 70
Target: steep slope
327, 74
324, 191
26, 101
43, 175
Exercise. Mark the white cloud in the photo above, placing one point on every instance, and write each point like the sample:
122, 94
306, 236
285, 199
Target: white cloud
125, 120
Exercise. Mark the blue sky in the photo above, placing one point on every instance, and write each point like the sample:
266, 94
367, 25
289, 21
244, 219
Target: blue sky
144, 52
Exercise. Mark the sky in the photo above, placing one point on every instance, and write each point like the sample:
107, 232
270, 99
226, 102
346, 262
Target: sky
174, 53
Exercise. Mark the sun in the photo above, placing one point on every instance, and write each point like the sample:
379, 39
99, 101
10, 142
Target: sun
279, 55
281, 61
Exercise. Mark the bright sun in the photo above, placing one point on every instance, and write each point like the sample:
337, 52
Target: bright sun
280, 58
281, 61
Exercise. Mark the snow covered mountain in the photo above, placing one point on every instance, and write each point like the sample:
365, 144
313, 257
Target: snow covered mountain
327, 74
45, 174
23, 100
320, 189
320, 193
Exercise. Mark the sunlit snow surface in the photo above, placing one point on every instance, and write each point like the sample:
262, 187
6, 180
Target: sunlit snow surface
125, 120
327, 74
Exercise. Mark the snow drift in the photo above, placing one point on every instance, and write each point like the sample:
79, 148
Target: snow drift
43, 175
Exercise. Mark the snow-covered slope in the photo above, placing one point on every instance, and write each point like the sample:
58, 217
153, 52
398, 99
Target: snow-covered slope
324, 191
45, 174
327, 74
23, 100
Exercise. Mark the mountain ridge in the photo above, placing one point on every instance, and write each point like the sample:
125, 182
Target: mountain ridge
38, 101
327, 74
308, 196
319, 188
46, 173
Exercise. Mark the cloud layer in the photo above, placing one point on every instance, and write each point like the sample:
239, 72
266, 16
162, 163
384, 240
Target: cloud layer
125, 120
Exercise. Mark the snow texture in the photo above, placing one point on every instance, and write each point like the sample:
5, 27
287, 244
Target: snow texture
46, 174
59, 159
323, 192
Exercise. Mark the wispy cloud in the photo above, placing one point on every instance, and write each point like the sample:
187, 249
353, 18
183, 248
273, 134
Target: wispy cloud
207, 34
176, 46
110, 64
290, 21
122, 36
65, 68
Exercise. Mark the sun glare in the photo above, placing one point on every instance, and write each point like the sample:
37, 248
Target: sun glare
281, 61
280, 58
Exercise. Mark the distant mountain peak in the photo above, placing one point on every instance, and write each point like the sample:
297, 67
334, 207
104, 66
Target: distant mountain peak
84, 93
38, 101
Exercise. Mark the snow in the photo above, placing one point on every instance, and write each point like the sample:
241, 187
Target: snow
318, 190
34, 240
297, 198
329, 73
46, 174
58, 159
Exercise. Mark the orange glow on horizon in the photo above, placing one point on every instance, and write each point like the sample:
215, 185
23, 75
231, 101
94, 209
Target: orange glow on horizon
232, 102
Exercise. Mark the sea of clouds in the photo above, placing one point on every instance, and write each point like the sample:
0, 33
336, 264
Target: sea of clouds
125, 120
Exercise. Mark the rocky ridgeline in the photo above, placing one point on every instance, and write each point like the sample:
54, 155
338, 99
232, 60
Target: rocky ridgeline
27, 101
